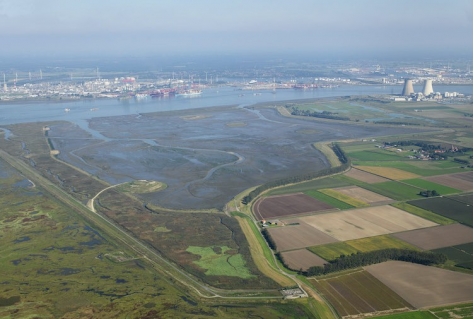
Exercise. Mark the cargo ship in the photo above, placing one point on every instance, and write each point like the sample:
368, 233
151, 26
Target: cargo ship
187, 93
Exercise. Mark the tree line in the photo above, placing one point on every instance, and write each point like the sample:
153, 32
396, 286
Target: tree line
374, 257
324, 114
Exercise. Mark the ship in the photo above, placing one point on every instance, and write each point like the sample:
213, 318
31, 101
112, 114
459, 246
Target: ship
188, 93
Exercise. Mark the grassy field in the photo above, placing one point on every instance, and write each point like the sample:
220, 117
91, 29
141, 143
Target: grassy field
462, 311
421, 168
391, 189
377, 155
461, 255
409, 315
333, 250
328, 199
218, 261
261, 254
327, 182
424, 213
446, 207
343, 198
427, 185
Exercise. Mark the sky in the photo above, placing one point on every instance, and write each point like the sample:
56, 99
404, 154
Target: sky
218, 27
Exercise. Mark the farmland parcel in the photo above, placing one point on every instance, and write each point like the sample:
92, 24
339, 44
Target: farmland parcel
424, 286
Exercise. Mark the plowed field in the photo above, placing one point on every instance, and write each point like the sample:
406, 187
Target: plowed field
424, 286
365, 176
438, 237
287, 205
462, 181
301, 259
366, 222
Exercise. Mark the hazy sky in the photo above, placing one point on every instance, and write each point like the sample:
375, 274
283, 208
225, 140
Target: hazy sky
145, 27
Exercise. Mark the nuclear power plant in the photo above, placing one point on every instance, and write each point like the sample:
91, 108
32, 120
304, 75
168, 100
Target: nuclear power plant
408, 88
427, 87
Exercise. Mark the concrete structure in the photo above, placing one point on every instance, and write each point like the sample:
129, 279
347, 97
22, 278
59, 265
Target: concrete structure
427, 87
408, 88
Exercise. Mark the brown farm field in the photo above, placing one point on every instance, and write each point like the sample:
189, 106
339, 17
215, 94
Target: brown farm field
366, 222
301, 259
424, 286
388, 172
437, 237
359, 293
287, 205
298, 236
363, 195
462, 181
365, 176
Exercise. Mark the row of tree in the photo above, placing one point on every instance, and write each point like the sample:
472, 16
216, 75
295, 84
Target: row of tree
374, 257
324, 114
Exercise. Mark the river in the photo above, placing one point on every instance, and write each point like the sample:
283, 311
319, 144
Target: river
82, 110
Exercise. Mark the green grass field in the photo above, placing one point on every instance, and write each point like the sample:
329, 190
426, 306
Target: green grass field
379, 242
377, 155
333, 250
427, 185
328, 199
462, 311
424, 213
218, 262
391, 189
461, 255
327, 182
410, 315
344, 198
422, 168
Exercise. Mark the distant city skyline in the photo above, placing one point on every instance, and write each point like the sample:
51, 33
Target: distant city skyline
325, 28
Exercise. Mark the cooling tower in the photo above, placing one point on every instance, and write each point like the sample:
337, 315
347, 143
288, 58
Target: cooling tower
428, 87
408, 88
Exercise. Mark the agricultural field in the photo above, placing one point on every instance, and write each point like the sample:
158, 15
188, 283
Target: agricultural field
393, 189
287, 205
463, 198
461, 255
415, 283
462, 181
301, 259
336, 203
448, 207
365, 222
298, 236
359, 293
343, 197
334, 250
320, 183
415, 167
458, 311
437, 237
429, 185
365, 177
363, 195
387, 172
438, 219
